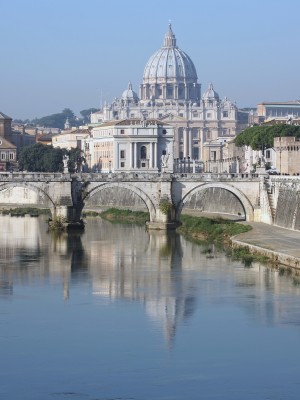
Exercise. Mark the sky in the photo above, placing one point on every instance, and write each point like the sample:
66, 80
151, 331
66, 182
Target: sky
76, 54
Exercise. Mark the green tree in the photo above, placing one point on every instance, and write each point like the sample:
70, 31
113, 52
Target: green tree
58, 120
258, 137
76, 158
86, 113
41, 158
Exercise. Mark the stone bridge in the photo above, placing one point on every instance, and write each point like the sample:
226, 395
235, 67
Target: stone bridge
251, 196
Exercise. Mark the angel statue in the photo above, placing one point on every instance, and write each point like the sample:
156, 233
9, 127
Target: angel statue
164, 162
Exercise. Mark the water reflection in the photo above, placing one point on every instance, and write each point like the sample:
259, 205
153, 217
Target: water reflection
170, 276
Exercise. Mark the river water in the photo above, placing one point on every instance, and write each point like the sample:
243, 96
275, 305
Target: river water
118, 313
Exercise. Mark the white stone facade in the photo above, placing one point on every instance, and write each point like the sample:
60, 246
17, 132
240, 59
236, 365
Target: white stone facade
170, 92
131, 145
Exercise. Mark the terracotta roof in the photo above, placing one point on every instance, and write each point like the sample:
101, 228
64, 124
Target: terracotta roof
5, 144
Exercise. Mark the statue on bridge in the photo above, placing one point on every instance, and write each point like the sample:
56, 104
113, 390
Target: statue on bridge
66, 161
164, 162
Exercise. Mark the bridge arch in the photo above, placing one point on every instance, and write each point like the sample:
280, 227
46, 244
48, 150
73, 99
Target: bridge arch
11, 185
124, 185
241, 197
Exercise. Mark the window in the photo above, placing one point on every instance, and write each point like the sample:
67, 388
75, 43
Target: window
122, 164
122, 131
268, 154
122, 153
208, 115
225, 114
3, 156
143, 152
195, 133
169, 92
164, 131
11, 156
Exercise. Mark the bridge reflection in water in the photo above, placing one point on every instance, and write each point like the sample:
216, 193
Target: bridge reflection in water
159, 269
121, 312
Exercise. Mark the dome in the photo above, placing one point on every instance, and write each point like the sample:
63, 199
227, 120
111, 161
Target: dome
170, 75
210, 94
129, 95
170, 63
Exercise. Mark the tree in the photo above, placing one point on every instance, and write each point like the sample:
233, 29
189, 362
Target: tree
86, 113
58, 120
261, 137
76, 159
41, 158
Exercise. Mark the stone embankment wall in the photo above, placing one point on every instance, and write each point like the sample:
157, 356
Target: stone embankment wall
277, 258
288, 204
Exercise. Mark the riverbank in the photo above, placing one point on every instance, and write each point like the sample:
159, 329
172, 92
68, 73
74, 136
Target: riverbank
281, 246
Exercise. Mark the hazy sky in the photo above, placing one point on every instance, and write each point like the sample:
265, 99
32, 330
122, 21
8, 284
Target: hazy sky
73, 53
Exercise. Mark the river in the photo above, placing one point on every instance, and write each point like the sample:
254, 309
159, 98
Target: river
119, 313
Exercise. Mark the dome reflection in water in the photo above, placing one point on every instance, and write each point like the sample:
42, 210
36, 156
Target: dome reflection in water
119, 312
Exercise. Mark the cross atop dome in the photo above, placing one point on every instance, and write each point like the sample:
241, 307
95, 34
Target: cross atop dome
170, 40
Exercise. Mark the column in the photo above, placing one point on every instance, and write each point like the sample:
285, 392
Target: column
190, 137
134, 155
175, 94
151, 155
164, 91
155, 155
201, 138
130, 156
185, 142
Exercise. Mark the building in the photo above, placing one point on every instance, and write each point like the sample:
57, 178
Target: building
170, 92
278, 110
71, 139
131, 145
8, 151
287, 150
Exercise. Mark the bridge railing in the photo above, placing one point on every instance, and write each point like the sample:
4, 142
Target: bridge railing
144, 176
123, 176
34, 176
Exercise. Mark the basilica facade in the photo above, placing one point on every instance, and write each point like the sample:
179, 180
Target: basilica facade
170, 92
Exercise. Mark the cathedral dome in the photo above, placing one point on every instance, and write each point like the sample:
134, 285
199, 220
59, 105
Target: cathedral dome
129, 95
170, 62
170, 74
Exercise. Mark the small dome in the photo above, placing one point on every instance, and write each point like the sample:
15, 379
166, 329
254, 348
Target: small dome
129, 95
210, 94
